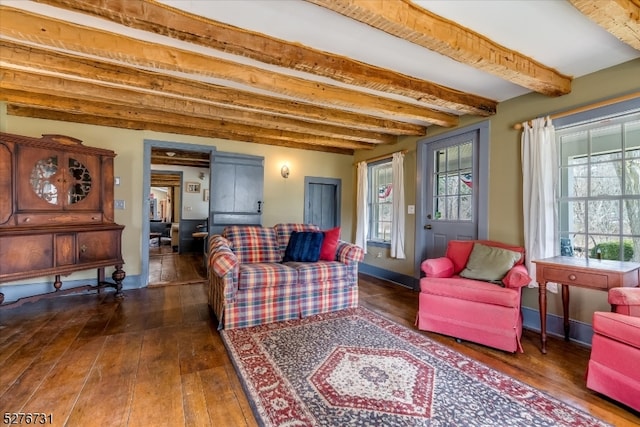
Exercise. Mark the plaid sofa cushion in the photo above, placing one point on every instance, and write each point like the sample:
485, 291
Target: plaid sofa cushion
264, 275
283, 232
253, 244
320, 272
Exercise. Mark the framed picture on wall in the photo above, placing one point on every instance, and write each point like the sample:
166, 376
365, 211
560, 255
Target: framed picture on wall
192, 187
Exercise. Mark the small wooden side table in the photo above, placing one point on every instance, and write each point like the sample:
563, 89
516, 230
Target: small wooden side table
582, 272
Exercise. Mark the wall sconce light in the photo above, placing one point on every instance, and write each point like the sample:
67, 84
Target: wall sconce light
284, 171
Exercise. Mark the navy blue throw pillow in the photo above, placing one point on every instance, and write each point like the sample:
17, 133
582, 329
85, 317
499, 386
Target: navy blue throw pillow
304, 246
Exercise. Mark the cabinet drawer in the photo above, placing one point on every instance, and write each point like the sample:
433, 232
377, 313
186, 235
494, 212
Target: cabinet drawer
59, 218
578, 278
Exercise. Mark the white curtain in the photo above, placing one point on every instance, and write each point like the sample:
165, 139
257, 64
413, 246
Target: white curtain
539, 185
397, 215
362, 217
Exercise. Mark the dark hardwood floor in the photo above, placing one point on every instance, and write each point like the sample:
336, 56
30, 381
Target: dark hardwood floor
155, 358
167, 267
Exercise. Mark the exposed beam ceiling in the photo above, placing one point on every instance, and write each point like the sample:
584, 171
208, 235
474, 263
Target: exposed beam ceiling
619, 17
406, 20
188, 70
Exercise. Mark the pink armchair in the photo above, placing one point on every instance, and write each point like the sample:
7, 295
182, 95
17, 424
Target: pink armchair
613, 368
472, 308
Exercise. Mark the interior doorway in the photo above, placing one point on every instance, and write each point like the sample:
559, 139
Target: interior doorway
165, 202
176, 186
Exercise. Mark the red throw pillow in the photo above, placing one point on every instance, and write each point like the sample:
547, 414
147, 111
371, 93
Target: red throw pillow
330, 244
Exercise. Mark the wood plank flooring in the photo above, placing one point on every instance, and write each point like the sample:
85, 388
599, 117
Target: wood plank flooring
170, 268
155, 358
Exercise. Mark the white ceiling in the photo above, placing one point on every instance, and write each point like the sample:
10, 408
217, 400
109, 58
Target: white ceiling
552, 32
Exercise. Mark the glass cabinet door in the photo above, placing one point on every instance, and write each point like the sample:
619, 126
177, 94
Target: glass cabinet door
57, 180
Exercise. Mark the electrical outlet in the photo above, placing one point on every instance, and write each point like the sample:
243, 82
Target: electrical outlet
118, 204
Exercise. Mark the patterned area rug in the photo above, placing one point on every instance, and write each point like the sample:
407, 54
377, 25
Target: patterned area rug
355, 368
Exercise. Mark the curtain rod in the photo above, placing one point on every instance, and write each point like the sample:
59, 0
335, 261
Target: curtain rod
381, 157
589, 107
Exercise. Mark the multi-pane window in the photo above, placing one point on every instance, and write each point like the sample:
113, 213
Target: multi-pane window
599, 203
453, 173
380, 200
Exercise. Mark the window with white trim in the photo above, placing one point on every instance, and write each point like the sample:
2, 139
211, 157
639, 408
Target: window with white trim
380, 201
599, 195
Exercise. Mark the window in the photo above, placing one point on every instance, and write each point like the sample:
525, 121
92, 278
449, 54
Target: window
453, 182
380, 201
599, 197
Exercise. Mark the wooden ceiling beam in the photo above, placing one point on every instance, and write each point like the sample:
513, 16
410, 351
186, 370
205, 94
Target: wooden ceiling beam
20, 80
619, 17
42, 113
404, 19
22, 55
42, 105
60, 34
161, 19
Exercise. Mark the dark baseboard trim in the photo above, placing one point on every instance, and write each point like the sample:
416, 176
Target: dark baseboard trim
392, 276
579, 332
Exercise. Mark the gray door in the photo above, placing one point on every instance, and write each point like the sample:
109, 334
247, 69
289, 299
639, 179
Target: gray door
237, 183
322, 202
451, 192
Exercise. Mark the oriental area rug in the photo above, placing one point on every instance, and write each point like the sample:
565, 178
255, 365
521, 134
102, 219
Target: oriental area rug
356, 368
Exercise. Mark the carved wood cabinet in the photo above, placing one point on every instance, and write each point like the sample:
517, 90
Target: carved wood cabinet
56, 210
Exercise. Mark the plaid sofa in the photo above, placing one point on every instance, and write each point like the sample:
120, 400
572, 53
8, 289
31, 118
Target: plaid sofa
250, 285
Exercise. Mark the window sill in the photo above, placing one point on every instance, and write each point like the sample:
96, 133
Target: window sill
378, 244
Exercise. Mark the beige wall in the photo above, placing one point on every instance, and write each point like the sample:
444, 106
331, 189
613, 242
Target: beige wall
283, 199
505, 176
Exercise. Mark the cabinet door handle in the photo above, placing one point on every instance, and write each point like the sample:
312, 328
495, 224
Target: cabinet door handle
27, 219
260, 206
83, 248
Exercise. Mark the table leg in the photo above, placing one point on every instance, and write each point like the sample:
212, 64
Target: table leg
542, 303
565, 310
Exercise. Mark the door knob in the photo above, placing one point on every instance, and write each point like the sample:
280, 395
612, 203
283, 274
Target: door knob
427, 227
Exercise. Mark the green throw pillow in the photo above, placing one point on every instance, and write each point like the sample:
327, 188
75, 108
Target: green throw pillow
489, 263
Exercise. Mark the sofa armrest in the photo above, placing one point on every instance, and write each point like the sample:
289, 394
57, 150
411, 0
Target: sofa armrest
222, 261
517, 277
625, 301
437, 267
348, 253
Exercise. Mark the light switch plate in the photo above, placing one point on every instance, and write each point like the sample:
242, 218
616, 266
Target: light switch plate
118, 204
411, 209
